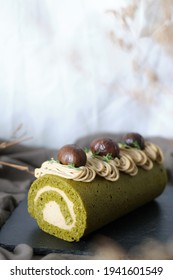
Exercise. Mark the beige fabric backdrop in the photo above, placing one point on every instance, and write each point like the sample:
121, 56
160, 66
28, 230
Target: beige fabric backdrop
69, 68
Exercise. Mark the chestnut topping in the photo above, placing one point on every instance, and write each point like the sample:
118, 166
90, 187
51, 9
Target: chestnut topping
134, 140
72, 154
104, 146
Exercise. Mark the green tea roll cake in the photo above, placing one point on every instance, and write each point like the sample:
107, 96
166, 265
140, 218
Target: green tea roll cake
70, 208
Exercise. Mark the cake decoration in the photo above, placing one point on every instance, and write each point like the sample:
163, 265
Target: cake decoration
72, 155
105, 158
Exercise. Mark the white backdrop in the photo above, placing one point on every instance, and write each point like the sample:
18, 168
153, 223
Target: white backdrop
70, 68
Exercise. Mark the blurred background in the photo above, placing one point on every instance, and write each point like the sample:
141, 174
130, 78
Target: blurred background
73, 68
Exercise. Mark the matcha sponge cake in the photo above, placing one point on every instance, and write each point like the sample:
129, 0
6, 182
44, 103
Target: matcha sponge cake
82, 191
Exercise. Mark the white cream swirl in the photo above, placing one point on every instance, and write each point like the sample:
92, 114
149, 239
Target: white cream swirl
52, 212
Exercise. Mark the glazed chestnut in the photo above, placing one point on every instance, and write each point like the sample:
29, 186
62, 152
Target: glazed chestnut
134, 140
104, 146
72, 154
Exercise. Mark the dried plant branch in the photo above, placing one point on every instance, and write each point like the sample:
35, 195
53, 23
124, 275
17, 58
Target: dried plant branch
18, 129
17, 166
7, 144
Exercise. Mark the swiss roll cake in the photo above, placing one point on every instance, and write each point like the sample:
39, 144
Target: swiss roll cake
84, 190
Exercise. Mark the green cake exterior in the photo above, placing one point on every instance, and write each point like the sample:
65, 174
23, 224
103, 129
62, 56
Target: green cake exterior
96, 203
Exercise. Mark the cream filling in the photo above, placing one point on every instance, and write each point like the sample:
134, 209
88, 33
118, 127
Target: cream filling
52, 212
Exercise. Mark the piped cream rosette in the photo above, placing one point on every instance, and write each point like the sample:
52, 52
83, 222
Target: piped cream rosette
83, 173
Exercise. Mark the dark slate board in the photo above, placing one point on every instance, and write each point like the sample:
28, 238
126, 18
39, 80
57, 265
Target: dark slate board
154, 220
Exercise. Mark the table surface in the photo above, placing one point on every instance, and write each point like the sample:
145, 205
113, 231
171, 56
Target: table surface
153, 220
